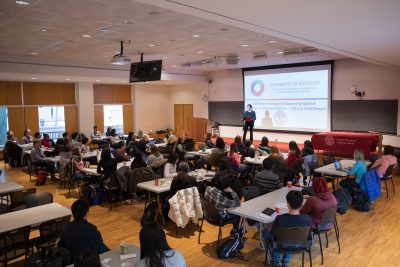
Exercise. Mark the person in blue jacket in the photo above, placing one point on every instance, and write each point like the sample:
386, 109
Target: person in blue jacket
359, 170
249, 117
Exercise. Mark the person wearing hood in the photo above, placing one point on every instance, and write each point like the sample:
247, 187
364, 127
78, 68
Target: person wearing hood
322, 200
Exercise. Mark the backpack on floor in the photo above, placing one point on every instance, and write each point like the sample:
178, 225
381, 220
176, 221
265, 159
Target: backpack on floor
231, 247
45, 258
41, 178
149, 214
89, 193
362, 202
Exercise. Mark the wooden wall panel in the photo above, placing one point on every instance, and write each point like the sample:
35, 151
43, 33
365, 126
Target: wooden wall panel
128, 118
10, 93
99, 117
178, 119
111, 93
16, 121
49, 93
32, 119
71, 119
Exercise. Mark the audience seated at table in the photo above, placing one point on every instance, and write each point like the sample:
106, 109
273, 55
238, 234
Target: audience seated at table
27, 138
321, 200
293, 155
239, 143
138, 161
217, 153
279, 166
38, 159
12, 151
266, 180
236, 165
108, 131
107, 164
78, 166
182, 180
88, 259
95, 134
121, 154
248, 150
156, 160
359, 169
84, 146
209, 143
80, 236
11, 137
223, 197
114, 138
229, 178
178, 146
385, 161
142, 146
264, 148
170, 168
130, 138
76, 139
308, 156
46, 141
65, 154
292, 219
37, 136
154, 249
307, 149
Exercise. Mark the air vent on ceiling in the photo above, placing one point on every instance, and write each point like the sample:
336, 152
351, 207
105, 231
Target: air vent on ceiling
198, 63
260, 56
232, 59
300, 51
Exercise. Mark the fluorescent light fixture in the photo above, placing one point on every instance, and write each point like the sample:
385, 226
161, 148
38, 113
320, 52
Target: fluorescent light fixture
151, 45
271, 42
196, 36
67, 79
24, 3
34, 53
244, 45
34, 78
280, 52
86, 36
200, 52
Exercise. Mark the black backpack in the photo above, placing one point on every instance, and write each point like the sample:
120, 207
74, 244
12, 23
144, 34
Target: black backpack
52, 257
231, 247
89, 193
149, 214
362, 202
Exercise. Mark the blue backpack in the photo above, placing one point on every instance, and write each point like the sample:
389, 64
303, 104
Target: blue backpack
231, 247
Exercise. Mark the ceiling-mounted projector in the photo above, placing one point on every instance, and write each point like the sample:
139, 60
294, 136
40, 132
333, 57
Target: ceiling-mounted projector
121, 59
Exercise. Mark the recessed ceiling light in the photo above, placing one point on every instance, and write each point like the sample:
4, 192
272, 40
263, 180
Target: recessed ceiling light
44, 30
86, 36
124, 81
173, 66
34, 78
244, 45
24, 3
105, 30
97, 80
200, 52
280, 52
67, 79
271, 42
196, 36
151, 45
33, 53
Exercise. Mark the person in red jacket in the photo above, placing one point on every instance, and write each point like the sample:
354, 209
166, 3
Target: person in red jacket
322, 200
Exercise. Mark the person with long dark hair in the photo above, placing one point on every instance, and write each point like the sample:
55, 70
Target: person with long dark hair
239, 143
154, 249
308, 149
249, 117
293, 155
182, 180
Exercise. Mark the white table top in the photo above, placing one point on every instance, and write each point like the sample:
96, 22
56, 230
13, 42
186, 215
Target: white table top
89, 154
55, 159
253, 208
114, 255
200, 152
8, 187
32, 216
259, 160
119, 165
198, 174
331, 170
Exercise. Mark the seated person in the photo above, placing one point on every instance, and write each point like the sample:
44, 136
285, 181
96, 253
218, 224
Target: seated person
218, 197
138, 161
130, 138
121, 154
266, 180
114, 138
38, 158
108, 131
183, 157
95, 134
78, 167
308, 149
170, 168
11, 137
154, 249
27, 138
13, 151
37, 136
229, 178
155, 160
79, 235
87, 259
264, 147
248, 150
322, 200
239, 143
182, 180
293, 155
217, 153
46, 141
107, 164
178, 146
76, 139
385, 161
292, 219
359, 169
84, 147
208, 141
236, 165
142, 146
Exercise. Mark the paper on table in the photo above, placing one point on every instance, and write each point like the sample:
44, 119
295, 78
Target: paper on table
247, 158
282, 206
127, 256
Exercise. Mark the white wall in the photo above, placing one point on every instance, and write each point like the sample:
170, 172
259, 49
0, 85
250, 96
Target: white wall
85, 101
378, 83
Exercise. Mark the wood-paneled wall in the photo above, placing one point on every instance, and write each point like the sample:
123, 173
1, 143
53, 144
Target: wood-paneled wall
182, 112
16, 121
48, 93
128, 118
111, 94
99, 117
71, 119
10, 93
31, 118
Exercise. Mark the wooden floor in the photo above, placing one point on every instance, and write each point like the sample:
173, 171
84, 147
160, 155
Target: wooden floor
368, 239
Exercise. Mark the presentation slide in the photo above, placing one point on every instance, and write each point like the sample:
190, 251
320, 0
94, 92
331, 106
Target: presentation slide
290, 99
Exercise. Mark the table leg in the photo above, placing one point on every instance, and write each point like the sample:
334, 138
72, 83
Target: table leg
159, 211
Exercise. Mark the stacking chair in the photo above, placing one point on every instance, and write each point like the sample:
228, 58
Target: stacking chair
212, 216
291, 240
328, 222
388, 176
18, 198
14, 244
50, 232
34, 200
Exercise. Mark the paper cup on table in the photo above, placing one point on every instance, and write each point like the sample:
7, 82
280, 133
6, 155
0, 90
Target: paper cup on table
124, 248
